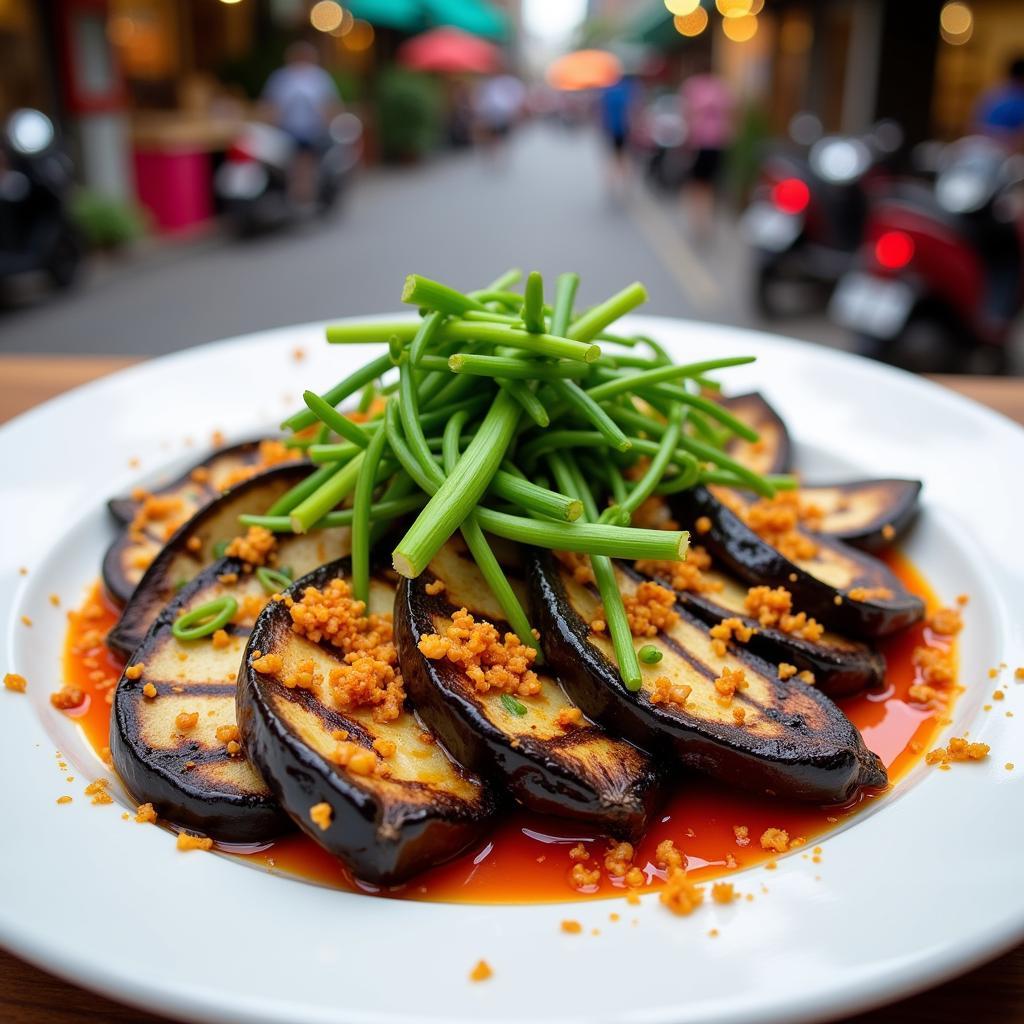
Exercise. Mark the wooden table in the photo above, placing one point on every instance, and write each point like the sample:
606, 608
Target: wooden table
29, 996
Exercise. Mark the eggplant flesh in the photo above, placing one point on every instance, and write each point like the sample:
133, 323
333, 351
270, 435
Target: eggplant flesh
177, 562
793, 741
869, 514
820, 586
841, 666
188, 774
772, 452
132, 551
423, 810
575, 770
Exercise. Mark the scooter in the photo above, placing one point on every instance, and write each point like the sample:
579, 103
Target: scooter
36, 231
253, 184
940, 276
807, 216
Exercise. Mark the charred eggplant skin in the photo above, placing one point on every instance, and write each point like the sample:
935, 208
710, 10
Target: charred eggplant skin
895, 514
620, 801
730, 541
155, 589
838, 673
595, 685
160, 776
380, 852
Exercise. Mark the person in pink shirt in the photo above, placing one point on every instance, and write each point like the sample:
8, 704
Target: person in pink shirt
709, 111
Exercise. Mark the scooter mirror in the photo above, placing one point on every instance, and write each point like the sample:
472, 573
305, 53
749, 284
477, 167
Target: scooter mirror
805, 128
29, 131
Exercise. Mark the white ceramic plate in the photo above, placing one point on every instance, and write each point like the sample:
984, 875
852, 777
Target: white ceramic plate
925, 887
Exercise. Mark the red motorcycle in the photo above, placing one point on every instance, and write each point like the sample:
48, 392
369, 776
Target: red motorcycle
940, 276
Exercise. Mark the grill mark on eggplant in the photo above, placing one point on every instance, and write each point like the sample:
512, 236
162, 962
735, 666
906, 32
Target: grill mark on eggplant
732, 543
385, 830
214, 523
221, 796
120, 576
801, 745
773, 453
578, 771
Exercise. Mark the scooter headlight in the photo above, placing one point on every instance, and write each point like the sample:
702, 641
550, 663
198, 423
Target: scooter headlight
839, 160
29, 131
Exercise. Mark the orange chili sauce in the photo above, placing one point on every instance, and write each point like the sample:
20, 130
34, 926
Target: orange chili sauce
525, 857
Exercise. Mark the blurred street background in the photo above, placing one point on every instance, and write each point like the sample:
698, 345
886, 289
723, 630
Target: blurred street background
845, 172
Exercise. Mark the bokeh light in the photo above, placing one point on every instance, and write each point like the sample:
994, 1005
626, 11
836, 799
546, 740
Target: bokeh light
682, 7
740, 29
326, 15
733, 8
691, 24
359, 37
956, 23
347, 21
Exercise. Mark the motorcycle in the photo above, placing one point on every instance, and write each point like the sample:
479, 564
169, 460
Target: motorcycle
36, 230
253, 184
940, 276
806, 220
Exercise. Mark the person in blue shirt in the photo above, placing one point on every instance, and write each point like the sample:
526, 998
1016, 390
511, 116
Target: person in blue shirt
616, 115
1001, 110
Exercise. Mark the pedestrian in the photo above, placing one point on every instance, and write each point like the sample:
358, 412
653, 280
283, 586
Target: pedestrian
1000, 112
617, 102
709, 113
303, 98
497, 102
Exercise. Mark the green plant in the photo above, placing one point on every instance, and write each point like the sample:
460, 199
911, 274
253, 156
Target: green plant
408, 114
105, 222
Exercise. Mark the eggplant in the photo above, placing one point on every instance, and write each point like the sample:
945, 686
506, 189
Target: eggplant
869, 514
793, 742
773, 451
574, 770
385, 828
188, 774
840, 666
133, 550
820, 586
217, 522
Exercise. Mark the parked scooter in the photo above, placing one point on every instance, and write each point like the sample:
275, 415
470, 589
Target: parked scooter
36, 232
940, 277
254, 186
807, 217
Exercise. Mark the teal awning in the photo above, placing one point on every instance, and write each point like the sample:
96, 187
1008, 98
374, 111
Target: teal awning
406, 15
476, 16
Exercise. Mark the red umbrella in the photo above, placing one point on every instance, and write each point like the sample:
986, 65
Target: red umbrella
449, 50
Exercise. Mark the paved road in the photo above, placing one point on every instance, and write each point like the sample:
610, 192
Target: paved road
459, 218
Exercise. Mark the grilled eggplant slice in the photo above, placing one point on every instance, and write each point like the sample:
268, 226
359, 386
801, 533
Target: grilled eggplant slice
869, 514
793, 741
192, 547
187, 773
821, 586
133, 549
386, 827
841, 666
773, 451
576, 770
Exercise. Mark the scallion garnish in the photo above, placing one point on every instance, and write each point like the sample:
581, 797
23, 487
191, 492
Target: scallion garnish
512, 705
205, 619
273, 581
220, 549
649, 654
499, 414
